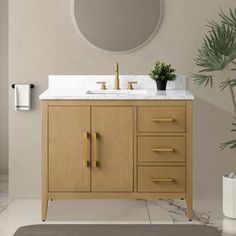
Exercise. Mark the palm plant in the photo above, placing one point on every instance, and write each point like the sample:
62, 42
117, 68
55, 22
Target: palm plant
229, 20
218, 53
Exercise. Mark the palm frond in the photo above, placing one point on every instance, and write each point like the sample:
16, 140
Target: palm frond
229, 20
217, 52
231, 83
211, 24
218, 48
231, 144
233, 69
202, 80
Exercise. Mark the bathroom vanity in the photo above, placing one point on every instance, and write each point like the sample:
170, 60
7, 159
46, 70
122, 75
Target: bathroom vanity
135, 146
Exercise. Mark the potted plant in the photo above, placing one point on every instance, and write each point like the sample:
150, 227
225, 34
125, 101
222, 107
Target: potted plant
218, 53
161, 73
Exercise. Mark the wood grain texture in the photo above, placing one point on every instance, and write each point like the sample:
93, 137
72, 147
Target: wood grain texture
147, 115
146, 145
145, 134
147, 174
189, 141
44, 170
120, 174
116, 195
155, 163
135, 146
112, 102
67, 150
114, 126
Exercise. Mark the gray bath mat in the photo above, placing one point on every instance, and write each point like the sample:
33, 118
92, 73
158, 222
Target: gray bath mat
117, 230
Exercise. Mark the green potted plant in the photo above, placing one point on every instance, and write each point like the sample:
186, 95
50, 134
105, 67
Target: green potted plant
161, 73
218, 53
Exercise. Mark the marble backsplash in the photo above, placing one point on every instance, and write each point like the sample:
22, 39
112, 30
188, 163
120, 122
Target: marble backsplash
89, 82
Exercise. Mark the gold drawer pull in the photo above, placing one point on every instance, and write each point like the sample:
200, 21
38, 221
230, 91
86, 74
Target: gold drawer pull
86, 146
95, 149
162, 179
163, 149
163, 119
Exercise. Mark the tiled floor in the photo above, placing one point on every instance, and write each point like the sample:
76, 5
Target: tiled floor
27, 211
4, 200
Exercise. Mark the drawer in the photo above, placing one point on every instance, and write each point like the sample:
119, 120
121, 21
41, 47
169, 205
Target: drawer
161, 149
161, 119
161, 179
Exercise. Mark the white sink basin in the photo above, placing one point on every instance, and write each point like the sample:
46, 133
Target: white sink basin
122, 92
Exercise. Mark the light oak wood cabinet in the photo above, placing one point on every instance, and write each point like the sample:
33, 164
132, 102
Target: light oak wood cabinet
116, 149
161, 179
66, 150
114, 154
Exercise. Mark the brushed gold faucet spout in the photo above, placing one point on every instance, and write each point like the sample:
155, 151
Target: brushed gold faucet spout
117, 80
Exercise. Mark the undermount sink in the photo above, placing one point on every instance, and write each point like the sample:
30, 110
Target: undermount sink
124, 92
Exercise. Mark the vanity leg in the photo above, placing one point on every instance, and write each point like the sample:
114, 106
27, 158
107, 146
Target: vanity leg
44, 170
44, 208
189, 171
189, 204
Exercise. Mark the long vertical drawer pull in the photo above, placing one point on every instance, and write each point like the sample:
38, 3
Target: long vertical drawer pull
95, 149
86, 146
163, 149
162, 179
162, 119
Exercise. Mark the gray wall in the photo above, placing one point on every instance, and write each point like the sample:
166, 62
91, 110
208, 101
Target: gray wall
3, 86
43, 41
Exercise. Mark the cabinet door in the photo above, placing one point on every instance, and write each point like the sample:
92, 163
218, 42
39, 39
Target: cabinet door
113, 149
68, 148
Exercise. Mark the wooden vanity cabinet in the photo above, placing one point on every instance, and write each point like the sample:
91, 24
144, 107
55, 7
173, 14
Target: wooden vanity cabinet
67, 127
114, 155
116, 149
90, 149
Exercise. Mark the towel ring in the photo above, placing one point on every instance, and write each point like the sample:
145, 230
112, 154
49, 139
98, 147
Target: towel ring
31, 86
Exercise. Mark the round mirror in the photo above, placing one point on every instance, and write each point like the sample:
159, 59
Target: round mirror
117, 25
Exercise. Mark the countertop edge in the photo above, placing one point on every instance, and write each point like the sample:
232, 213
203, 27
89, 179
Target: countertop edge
163, 95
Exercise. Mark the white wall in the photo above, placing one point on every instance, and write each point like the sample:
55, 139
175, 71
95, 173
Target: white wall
43, 41
3, 86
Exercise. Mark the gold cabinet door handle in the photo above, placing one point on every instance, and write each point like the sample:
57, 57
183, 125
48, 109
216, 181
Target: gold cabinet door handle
95, 149
87, 149
162, 179
163, 149
163, 119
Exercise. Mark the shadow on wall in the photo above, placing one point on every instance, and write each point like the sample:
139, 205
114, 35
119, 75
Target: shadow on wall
211, 126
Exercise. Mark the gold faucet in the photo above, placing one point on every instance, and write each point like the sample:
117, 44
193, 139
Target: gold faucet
117, 80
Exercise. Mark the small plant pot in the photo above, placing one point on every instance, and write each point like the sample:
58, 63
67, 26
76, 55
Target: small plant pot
161, 84
229, 196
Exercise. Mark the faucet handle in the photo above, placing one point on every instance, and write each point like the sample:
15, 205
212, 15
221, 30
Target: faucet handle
130, 85
103, 85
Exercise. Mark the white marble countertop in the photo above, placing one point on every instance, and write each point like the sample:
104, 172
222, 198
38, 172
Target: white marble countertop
76, 94
75, 87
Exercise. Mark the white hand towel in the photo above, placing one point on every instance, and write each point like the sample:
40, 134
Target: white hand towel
22, 97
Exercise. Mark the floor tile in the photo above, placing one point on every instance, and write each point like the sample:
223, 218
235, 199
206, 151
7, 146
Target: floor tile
158, 214
17, 214
207, 212
99, 211
4, 200
25, 212
22, 212
203, 212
